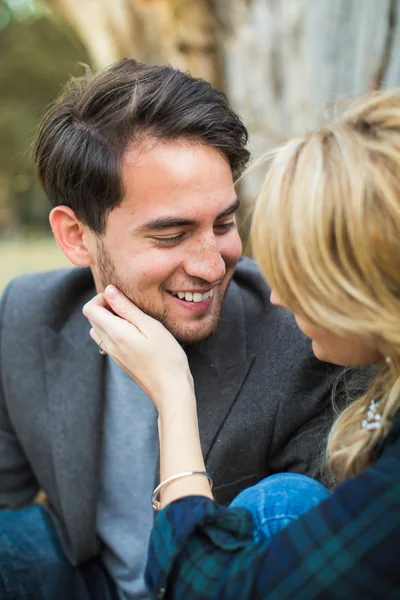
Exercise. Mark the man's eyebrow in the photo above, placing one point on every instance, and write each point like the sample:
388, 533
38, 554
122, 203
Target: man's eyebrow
165, 223
169, 222
230, 210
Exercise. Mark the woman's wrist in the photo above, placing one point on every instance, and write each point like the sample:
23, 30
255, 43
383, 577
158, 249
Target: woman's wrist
178, 425
180, 450
178, 402
193, 485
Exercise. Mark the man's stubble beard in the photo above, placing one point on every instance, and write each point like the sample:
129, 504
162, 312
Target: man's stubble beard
109, 276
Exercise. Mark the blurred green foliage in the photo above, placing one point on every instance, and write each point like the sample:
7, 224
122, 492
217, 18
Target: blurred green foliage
37, 56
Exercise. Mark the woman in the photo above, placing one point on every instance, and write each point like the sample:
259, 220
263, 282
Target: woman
326, 233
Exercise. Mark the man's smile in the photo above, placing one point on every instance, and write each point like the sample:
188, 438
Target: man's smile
192, 296
193, 301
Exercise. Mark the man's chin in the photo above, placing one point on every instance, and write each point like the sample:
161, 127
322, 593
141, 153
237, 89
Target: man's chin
189, 337
192, 333
191, 340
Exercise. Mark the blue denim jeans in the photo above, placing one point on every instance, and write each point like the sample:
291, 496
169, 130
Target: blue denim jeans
33, 565
279, 499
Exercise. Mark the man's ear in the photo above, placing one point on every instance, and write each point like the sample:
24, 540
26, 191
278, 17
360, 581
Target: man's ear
73, 237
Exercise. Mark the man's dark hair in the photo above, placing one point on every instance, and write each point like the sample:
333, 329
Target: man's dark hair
82, 138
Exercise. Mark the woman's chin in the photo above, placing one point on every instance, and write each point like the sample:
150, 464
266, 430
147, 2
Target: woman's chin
324, 355
346, 354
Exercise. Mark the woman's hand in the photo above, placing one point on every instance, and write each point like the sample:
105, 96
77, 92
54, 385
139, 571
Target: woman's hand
152, 356
142, 347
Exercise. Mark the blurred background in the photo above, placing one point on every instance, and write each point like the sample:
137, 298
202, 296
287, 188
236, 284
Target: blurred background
281, 63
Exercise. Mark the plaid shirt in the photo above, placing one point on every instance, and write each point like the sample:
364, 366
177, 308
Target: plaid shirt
347, 547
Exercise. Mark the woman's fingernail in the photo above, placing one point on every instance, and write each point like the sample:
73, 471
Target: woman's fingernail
111, 291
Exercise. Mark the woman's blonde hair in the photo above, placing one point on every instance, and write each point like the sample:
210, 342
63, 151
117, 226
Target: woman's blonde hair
326, 233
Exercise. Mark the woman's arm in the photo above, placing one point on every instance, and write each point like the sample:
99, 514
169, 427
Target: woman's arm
346, 548
150, 354
180, 451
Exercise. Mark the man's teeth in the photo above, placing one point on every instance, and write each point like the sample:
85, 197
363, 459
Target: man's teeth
193, 296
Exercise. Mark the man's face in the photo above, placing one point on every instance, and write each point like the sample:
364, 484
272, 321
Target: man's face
172, 244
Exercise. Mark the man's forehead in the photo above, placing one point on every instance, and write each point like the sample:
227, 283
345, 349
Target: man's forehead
176, 181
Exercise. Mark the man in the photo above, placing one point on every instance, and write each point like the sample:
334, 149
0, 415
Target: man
138, 163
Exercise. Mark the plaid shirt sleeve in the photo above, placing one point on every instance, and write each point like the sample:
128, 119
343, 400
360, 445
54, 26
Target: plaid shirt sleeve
347, 547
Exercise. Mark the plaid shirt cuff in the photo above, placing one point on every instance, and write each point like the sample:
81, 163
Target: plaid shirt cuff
228, 529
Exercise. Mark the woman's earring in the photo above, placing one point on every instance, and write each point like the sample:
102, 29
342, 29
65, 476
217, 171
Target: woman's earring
388, 360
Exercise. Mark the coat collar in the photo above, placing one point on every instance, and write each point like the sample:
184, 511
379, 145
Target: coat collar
219, 366
75, 382
75, 379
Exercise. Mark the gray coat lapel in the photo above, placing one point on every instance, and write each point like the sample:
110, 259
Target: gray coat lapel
75, 388
74, 377
219, 366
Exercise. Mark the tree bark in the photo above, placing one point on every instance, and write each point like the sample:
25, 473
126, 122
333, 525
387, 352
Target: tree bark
281, 63
183, 33
286, 62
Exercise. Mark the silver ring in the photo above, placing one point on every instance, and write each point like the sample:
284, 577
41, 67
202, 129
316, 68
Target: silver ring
101, 351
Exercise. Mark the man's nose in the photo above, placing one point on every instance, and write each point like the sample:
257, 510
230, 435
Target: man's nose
274, 299
204, 261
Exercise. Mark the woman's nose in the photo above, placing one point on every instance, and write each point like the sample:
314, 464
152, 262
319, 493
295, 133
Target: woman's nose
274, 299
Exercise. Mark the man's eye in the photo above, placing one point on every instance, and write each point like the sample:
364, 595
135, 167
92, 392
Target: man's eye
226, 226
165, 241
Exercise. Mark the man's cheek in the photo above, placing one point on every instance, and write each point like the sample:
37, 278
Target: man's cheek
235, 251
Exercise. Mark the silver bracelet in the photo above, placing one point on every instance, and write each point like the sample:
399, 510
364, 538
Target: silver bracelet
156, 504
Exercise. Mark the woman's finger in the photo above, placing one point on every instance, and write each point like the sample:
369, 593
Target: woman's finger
123, 307
96, 337
98, 300
117, 334
102, 340
97, 311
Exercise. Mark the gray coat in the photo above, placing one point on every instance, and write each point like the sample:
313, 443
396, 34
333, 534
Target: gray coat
262, 397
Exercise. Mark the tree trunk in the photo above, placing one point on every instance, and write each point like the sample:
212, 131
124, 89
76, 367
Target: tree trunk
285, 62
280, 62
180, 32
